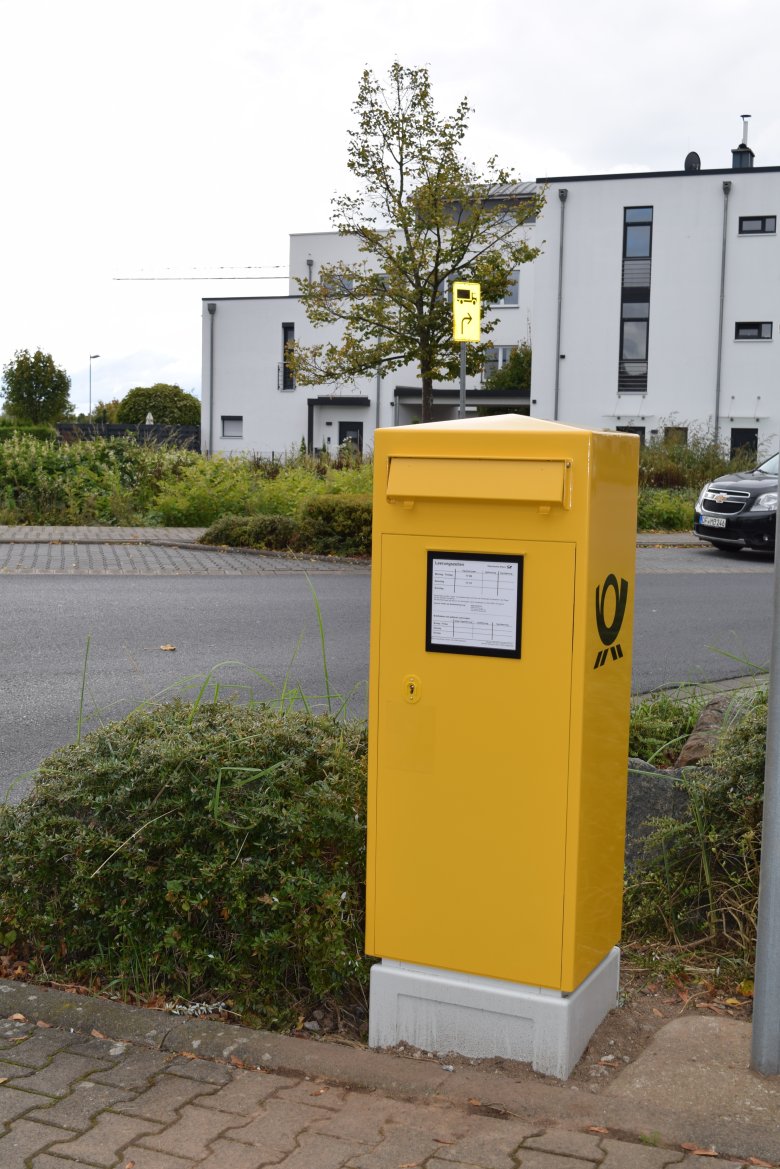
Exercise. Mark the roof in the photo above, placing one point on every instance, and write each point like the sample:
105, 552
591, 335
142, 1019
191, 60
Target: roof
660, 174
514, 190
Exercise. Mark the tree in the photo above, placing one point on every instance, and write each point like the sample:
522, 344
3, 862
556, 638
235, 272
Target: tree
104, 412
168, 405
515, 374
35, 389
422, 217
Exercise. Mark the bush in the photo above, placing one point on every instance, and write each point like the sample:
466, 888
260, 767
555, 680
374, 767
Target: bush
216, 851
699, 882
106, 481
660, 725
39, 430
168, 405
665, 463
662, 510
263, 531
337, 525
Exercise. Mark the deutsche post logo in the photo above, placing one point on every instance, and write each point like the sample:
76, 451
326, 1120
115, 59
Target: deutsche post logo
609, 633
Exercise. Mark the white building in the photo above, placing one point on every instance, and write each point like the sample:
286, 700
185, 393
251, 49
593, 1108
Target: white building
657, 301
250, 402
654, 305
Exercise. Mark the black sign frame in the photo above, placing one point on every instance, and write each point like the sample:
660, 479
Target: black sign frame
475, 651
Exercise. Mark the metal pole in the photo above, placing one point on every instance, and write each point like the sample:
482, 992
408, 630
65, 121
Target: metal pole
726, 189
462, 402
92, 357
765, 1052
212, 308
563, 195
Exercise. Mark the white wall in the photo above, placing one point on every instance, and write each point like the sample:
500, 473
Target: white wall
248, 350
684, 303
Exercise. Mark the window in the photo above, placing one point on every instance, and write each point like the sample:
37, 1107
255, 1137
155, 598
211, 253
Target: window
232, 426
337, 285
757, 224
635, 299
640, 430
744, 438
496, 358
753, 331
511, 292
286, 374
676, 435
638, 233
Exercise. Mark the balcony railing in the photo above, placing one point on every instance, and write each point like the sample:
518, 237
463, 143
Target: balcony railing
285, 382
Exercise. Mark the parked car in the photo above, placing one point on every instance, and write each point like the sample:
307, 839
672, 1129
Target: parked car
738, 510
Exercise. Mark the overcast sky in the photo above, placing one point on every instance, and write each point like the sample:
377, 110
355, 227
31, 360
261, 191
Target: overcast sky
183, 138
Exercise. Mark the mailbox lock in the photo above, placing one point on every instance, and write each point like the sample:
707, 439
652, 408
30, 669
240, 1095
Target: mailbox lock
412, 688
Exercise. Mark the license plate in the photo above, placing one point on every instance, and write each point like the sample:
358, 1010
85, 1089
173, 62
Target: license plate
713, 521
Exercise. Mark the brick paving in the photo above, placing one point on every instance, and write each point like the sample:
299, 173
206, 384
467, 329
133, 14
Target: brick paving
109, 551
67, 1102
112, 558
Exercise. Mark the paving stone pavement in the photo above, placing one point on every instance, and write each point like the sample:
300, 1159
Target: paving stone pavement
107, 551
70, 1101
112, 551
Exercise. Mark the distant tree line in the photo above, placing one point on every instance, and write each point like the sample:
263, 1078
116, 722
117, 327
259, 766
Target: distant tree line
36, 390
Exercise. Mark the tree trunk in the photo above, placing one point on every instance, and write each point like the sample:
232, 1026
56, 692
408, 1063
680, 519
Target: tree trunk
426, 414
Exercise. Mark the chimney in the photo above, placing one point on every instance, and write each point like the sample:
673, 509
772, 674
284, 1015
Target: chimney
742, 156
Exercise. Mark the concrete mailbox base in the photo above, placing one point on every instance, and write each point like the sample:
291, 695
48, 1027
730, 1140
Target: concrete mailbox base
443, 1011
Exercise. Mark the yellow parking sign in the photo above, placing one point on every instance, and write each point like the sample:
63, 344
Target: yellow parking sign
466, 311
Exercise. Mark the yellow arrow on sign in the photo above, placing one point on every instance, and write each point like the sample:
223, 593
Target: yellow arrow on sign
466, 311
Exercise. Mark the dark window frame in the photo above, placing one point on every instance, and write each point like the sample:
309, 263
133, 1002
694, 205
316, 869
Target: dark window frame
639, 431
746, 443
741, 332
629, 223
764, 220
232, 418
634, 321
634, 369
288, 338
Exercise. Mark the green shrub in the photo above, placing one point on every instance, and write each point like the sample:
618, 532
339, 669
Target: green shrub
662, 510
169, 405
699, 883
337, 525
39, 430
665, 463
216, 851
106, 481
262, 531
660, 725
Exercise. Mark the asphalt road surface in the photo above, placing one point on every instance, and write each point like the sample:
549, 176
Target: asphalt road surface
699, 616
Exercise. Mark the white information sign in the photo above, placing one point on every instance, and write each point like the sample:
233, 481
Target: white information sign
474, 604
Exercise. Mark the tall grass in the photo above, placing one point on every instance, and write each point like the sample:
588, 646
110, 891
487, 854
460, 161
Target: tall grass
118, 481
664, 463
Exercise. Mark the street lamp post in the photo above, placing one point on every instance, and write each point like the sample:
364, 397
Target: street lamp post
92, 357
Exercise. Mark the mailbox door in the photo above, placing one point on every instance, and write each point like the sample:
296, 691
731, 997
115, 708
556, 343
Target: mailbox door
472, 760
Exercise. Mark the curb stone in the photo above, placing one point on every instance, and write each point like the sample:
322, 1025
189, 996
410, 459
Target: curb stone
490, 1091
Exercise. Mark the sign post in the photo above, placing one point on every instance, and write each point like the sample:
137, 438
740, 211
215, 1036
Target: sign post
765, 1051
466, 326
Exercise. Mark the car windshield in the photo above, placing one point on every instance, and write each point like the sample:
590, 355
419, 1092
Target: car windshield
770, 466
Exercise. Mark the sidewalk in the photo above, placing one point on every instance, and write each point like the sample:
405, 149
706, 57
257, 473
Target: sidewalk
86, 1083
43, 534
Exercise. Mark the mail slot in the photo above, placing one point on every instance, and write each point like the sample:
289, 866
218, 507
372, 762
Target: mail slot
510, 480
502, 603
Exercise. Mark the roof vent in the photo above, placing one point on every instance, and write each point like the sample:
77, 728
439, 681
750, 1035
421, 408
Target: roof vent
692, 163
742, 156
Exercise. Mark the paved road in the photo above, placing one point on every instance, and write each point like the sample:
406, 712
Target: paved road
693, 608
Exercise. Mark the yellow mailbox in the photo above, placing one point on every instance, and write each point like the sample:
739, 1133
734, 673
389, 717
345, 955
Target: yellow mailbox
502, 599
